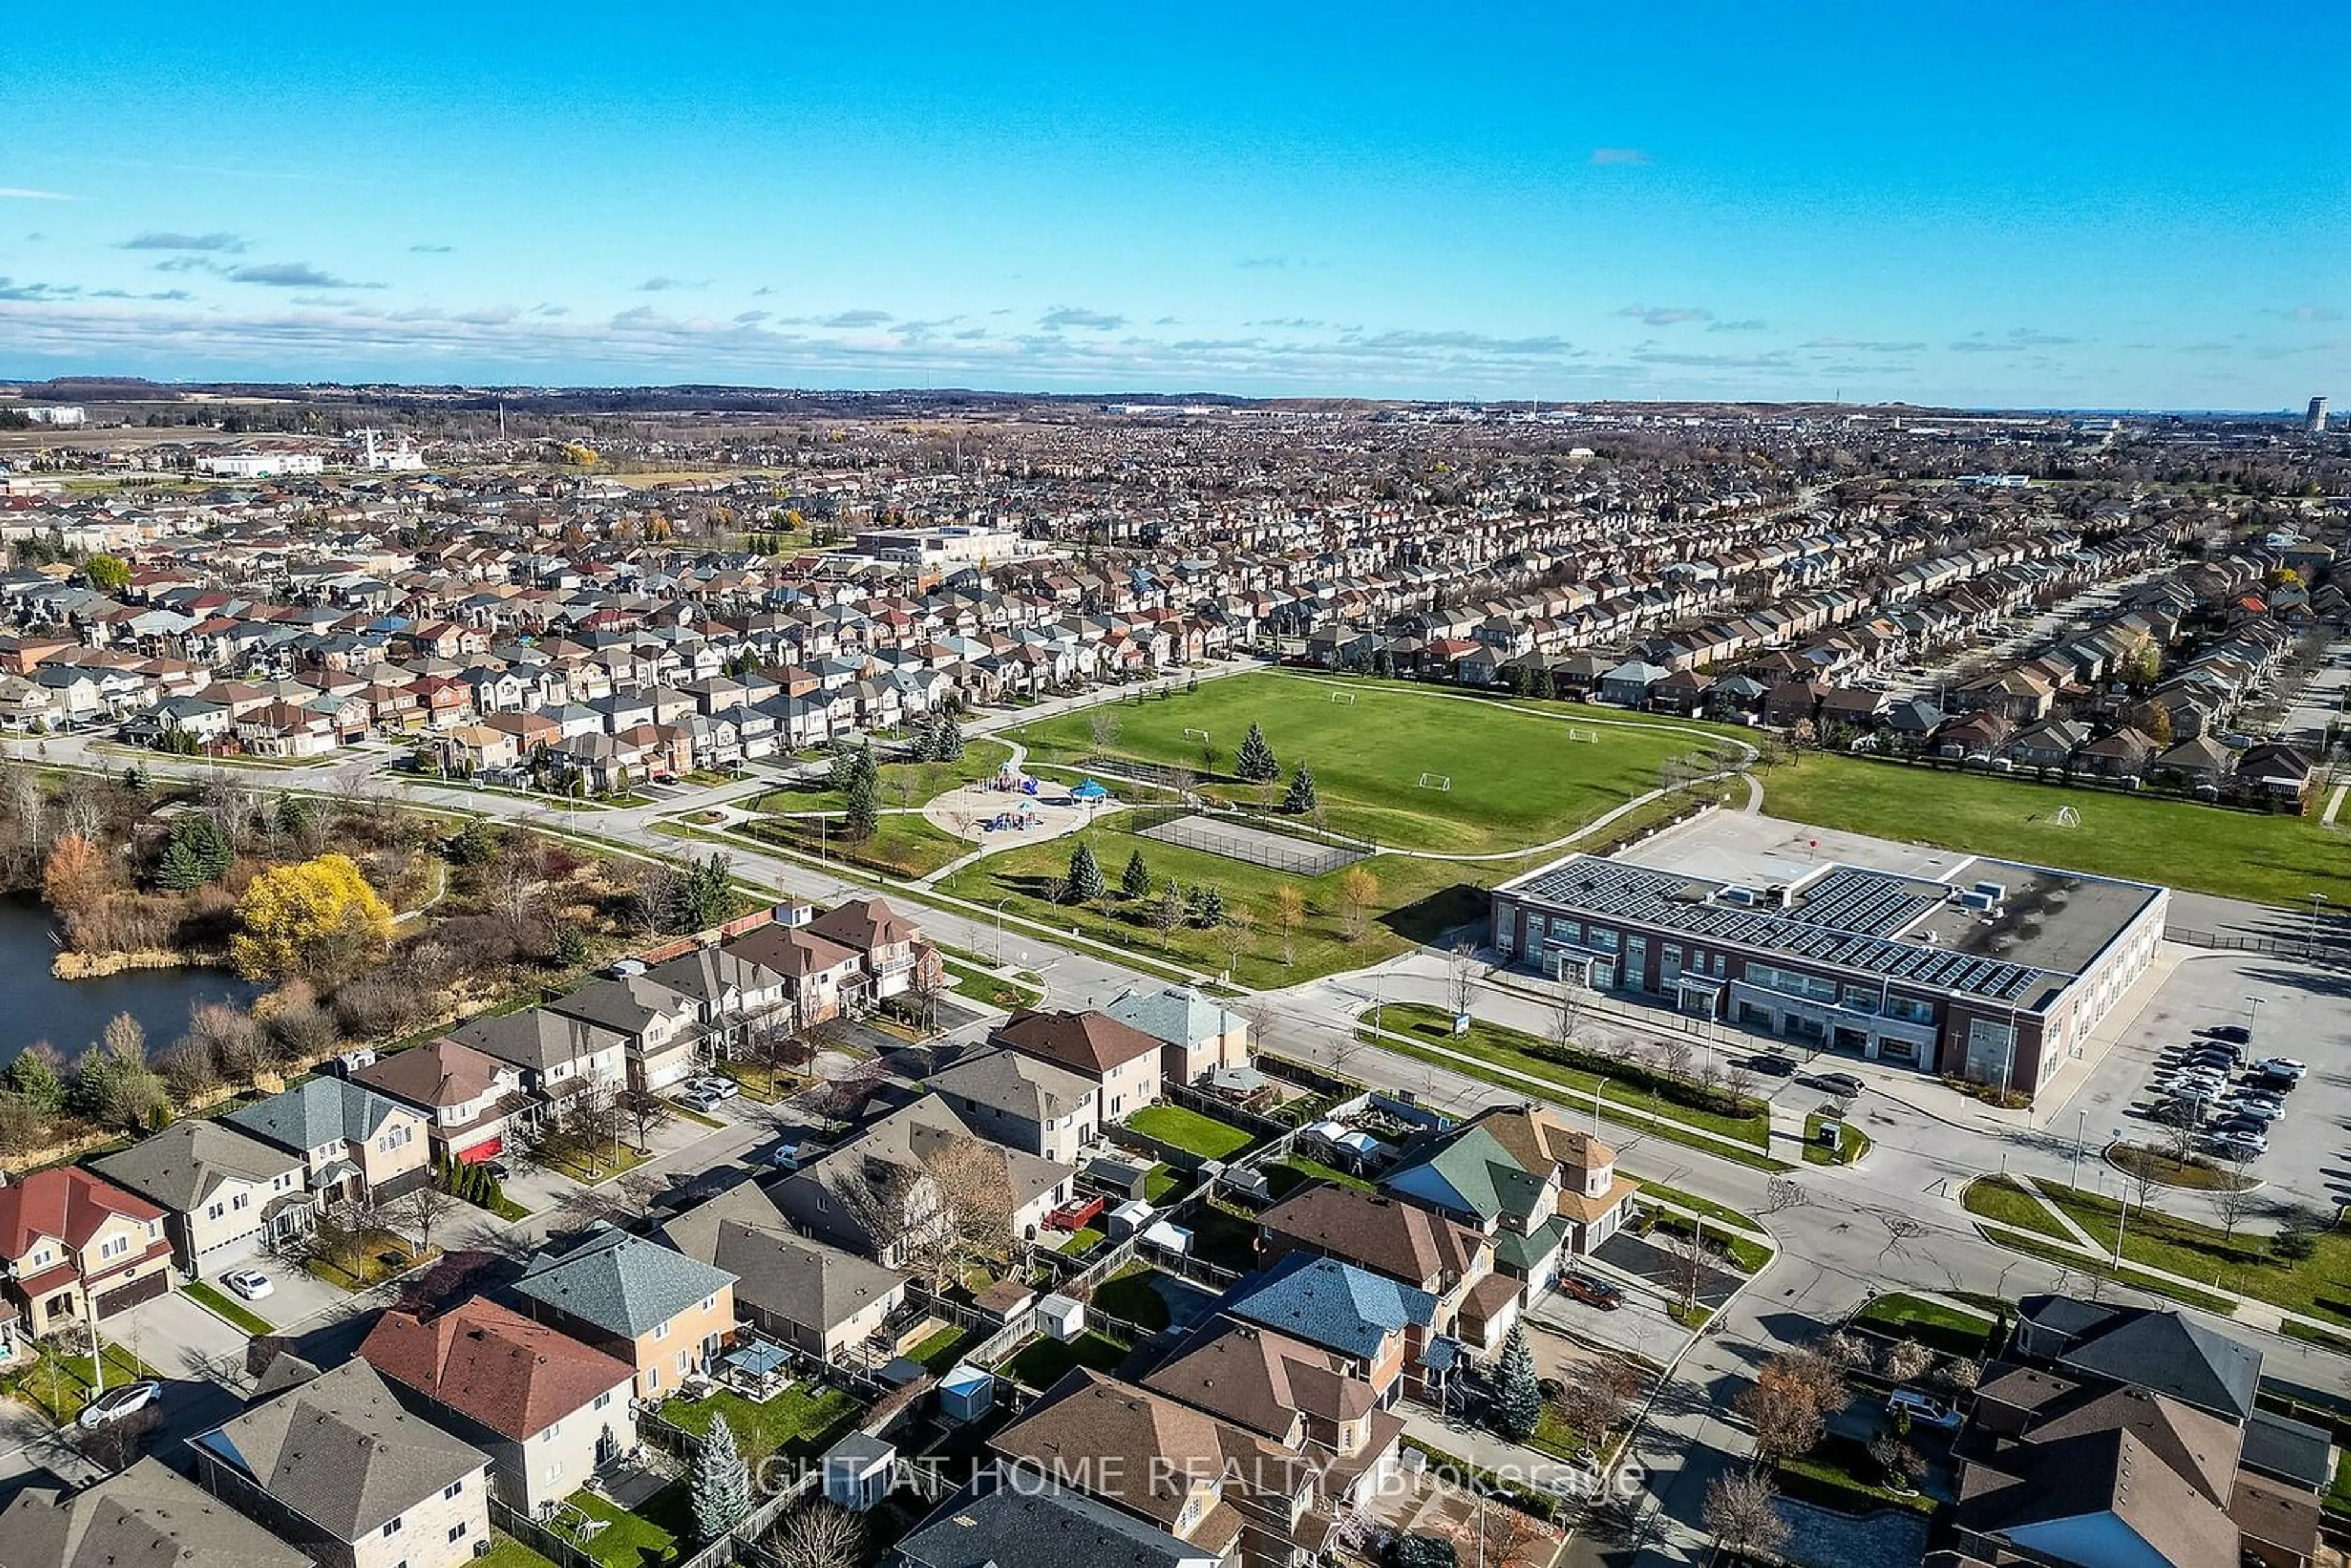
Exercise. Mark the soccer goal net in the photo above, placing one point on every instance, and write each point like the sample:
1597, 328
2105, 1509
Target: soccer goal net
1436, 782
1347, 698
1590, 737
2068, 818
1200, 734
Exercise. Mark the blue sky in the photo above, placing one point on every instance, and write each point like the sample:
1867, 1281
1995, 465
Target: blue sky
2080, 204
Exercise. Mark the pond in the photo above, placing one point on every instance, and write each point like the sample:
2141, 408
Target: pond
69, 1014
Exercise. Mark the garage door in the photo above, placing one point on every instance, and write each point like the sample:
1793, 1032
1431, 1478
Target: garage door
131, 1294
488, 1149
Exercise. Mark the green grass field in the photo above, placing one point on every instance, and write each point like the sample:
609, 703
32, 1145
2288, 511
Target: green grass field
900, 783
1187, 1129
1517, 779
904, 842
2233, 855
1418, 900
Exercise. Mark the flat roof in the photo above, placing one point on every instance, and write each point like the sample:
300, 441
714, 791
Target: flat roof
1905, 925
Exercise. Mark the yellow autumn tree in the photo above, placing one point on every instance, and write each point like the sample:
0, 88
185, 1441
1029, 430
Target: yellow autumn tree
319, 918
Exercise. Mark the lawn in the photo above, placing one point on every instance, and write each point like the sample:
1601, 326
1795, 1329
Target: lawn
1852, 1142
1523, 1052
384, 1256
596, 1169
1041, 1361
59, 1385
1931, 1323
223, 1306
1223, 1236
1187, 1129
2136, 1279
644, 1539
1130, 1295
1415, 902
2267, 859
1516, 778
1840, 1474
505, 1552
938, 1353
2320, 1285
804, 1419
1163, 1181
1287, 1174
904, 844
1696, 1205
900, 783
1997, 1198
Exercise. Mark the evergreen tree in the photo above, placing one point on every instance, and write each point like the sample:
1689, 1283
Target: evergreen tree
475, 843
1518, 1395
862, 767
950, 739
710, 893
1212, 908
843, 768
1196, 904
179, 870
1514, 676
864, 819
721, 1483
1540, 683
1085, 875
1384, 665
34, 1075
1255, 760
1302, 798
209, 847
570, 948
1134, 882
134, 779
293, 816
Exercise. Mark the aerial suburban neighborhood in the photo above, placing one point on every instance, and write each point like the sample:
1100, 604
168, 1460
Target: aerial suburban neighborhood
799, 994
1073, 787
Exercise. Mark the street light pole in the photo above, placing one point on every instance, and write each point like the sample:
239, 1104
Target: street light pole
2316, 900
2081, 1133
2253, 1012
999, 926
1596, 1091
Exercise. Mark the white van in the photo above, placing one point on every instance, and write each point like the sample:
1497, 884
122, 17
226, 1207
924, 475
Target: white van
1924, 1410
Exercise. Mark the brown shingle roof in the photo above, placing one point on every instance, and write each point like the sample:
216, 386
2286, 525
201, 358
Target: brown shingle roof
1398, 1239
487, 1362
1089, 1041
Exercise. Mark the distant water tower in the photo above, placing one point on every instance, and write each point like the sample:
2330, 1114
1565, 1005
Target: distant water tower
2314, 421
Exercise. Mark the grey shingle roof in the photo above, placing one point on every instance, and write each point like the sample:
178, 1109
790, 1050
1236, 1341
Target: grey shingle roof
318, 1110
1325, 1302
341, 1452
180, 1167
147, 1515
622, 1283
1038, 1524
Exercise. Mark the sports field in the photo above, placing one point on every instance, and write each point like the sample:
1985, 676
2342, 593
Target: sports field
2203, 849
1516, 776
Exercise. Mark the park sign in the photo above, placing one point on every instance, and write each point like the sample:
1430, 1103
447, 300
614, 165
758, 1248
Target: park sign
1460, 1023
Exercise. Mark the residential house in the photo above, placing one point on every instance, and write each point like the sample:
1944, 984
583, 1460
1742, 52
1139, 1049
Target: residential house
474, 1102
1122, 1062
661, 1028
549, 1410
1002, 1517
1201, 1037
338, 1467
1401, 1241
146, 1515
78, 1249
225, 1194
875, 1195
664, 1313
557, 1055
891, 949
1202, 1479
821, 978
355, 1141
1386, 1331
822, 1300
1023, 1102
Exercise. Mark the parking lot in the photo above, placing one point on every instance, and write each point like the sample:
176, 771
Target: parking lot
2293, 1009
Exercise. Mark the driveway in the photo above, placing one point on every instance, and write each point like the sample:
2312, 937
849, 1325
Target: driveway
183, 1341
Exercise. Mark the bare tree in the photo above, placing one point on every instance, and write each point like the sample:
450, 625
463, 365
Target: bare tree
1461, 974
973, 1186
1674, 1054
645, 1111
1239, 929
1101, 725
897, 1208
1595, 1396
1907, 1360
1739, 1513
1567, 1014
2234, 1198
818, 1534
424, 1208
1780, 1195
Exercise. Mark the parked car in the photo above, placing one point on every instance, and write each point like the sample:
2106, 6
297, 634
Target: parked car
1771, 1064
715, 1085
2284, 1067
116, 1403
1924, 1410
499, 1170
697, 1100
250, 1283
789, 1156
2262, 1111
2234, 1033
2240, 1145
1840, 1083
1593, 1290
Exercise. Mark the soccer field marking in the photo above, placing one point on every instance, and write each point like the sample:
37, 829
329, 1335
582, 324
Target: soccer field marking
1345, 699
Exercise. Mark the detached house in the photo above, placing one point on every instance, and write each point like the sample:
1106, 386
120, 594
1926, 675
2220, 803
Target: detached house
1201, 1037
547, 1409
1122, 1063
226, 1196
891, 947
79, 1249
355, 1141
146, 1515
341, 1469
664, 1313
474, 1101
660, 1027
